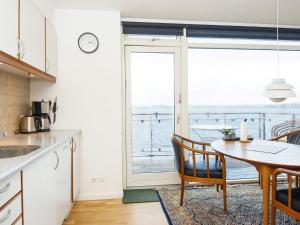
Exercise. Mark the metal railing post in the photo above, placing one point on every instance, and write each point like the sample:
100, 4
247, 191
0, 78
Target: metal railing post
264, 126
151, 139
259, 126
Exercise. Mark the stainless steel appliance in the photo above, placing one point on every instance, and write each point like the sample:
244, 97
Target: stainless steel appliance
29, 124
42, 109
45, 122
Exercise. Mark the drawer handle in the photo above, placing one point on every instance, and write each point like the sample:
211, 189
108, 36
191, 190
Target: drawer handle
6, 216
7, 186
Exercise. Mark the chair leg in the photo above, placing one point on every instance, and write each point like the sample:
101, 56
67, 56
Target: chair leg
217, 188
273, 220
224, 197
260, 181
182, 192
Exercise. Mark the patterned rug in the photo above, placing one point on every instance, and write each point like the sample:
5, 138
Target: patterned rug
204, 206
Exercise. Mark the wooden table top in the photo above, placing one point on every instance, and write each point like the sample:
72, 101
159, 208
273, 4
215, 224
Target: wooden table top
271, 153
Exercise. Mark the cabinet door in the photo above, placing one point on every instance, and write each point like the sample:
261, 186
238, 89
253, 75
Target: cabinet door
39, 186
9, 27
63, 183
75, 166
51, 49
32, 34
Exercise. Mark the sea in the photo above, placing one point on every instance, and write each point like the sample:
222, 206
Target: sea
152, 126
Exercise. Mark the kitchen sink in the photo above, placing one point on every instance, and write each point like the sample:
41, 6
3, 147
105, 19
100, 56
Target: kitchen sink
10, 151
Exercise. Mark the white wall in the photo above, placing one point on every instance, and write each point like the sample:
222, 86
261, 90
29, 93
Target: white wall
47, 7
89, 96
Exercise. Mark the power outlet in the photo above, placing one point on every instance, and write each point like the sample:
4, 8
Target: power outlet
95, 180
101, 180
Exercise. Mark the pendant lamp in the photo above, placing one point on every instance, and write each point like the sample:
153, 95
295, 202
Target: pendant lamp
278, 90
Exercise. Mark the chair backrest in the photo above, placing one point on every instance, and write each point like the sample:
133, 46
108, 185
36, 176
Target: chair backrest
176, 140
294, 138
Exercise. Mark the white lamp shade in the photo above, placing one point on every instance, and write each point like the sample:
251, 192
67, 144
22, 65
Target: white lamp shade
279, 90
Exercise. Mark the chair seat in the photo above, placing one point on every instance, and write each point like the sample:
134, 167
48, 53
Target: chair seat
282, 196
215, 169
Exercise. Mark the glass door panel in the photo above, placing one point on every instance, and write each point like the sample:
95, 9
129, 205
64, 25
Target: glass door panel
151, 74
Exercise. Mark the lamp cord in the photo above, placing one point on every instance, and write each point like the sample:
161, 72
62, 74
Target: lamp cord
277, 37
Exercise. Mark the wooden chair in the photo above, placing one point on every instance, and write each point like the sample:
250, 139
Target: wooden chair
204, 169
287, 200
292, 137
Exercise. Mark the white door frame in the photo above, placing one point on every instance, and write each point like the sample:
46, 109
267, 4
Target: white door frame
148, 179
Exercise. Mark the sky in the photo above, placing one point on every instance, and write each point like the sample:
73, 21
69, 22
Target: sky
215, 76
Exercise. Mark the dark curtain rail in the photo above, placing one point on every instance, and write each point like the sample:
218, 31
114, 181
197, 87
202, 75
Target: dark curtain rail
211, 31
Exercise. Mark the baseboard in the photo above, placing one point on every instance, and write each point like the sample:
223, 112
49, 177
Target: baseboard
87, 197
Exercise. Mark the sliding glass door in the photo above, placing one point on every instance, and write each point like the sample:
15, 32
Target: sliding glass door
152, 114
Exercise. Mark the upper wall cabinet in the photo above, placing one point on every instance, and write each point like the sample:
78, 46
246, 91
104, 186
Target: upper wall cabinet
9, 27
32, 34
51, 49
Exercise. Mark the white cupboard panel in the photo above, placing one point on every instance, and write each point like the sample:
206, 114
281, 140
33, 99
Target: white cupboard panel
51, 49
76, 166
9, 188
9, 27
32, 34
63, 183
11, 212
39, 187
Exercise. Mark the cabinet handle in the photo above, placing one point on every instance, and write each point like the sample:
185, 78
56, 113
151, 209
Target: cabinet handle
22, 49
57, 162
5, 188
74, 146
47, 65
6, 216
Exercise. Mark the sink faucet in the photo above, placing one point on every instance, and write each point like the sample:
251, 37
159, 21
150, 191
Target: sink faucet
3, 134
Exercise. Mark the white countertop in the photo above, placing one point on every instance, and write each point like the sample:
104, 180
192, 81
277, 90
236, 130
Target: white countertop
47, 141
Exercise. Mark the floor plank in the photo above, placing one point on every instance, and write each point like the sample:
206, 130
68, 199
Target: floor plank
114, 212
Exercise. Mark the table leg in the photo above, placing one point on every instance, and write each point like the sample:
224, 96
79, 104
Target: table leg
266, 172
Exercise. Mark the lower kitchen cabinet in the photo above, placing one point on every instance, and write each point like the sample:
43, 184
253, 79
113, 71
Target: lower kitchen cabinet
75, 151
63, 183
47, 187
39, 191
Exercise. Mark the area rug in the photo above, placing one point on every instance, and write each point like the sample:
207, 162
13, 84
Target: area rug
139, 196
204, 206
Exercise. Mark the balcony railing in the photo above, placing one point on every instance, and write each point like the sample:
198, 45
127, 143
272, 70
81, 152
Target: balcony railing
151, 134
152, 131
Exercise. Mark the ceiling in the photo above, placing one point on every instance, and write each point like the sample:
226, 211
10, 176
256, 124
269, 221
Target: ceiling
228, 11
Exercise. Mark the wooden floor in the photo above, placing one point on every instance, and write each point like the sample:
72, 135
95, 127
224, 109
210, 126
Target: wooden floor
113, 212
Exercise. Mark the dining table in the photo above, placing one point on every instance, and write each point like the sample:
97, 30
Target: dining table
265, 156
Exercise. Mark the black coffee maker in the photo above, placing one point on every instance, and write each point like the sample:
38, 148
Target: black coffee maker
42, 110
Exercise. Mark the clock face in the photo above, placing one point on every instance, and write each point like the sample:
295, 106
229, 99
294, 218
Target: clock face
88, 42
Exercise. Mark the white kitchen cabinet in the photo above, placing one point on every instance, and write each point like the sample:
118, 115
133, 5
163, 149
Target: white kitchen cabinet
51, 49
75, 167
32, 34
11, 211
63, 183
39, 191
9, 27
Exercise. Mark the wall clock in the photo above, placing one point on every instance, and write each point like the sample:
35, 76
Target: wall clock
88, 42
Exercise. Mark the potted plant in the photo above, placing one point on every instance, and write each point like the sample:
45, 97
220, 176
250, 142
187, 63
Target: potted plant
227, 133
